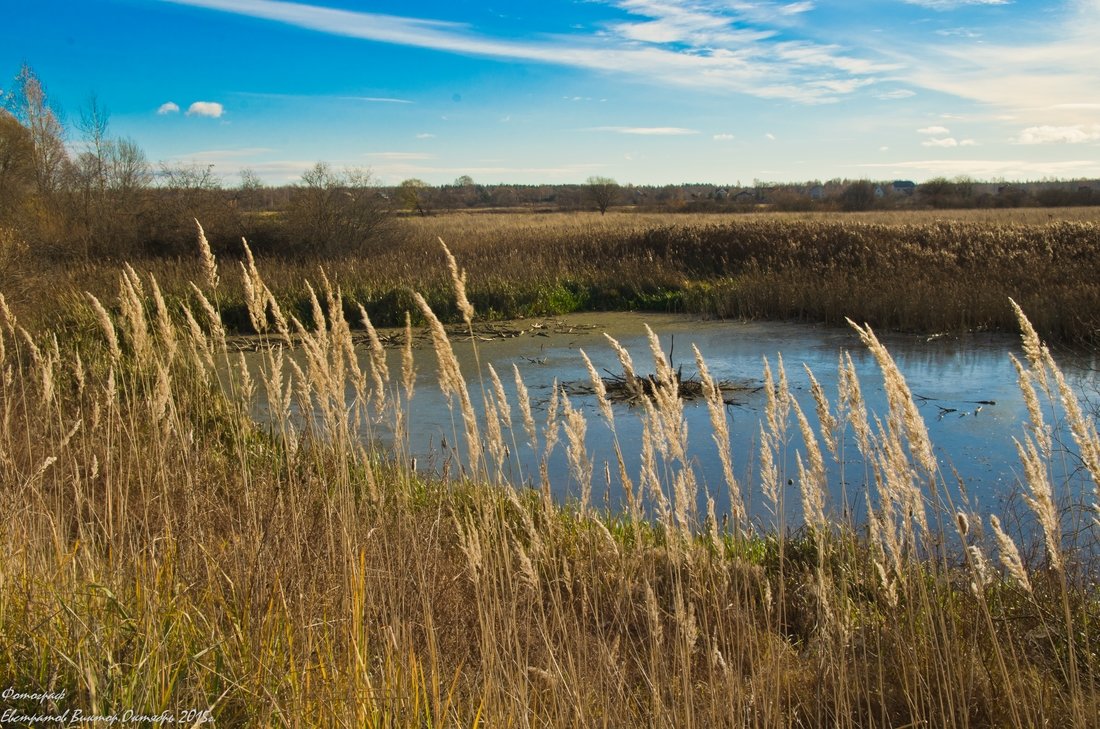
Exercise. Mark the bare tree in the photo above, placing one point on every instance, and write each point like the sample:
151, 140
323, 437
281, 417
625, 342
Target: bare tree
128, 169
250, 189
190, 192
93, 125
860, 195
333, 213
107, 185
463, 192
603, 191
28, 103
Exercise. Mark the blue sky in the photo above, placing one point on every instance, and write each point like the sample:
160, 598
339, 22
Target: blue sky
644, 91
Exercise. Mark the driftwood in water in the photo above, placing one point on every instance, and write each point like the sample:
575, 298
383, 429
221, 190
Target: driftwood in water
632, 388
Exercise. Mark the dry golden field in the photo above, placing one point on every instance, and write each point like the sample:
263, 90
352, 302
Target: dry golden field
913, 271
164, 552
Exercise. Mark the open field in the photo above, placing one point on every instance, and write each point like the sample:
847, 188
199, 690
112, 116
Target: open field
917, 271
618, 217
165, 552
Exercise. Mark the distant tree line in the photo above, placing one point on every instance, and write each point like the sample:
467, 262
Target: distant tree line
78, 191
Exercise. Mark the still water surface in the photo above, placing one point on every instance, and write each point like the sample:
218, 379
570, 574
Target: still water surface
951, 373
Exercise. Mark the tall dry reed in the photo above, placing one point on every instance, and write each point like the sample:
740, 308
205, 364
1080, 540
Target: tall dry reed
166, 550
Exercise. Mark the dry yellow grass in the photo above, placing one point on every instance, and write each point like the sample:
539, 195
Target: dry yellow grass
919, 270
163, 551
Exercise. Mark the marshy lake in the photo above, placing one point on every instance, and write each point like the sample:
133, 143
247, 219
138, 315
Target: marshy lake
965, 387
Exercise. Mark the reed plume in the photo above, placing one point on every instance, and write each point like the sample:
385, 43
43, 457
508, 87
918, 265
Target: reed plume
1010, 556
209, 263
716, 408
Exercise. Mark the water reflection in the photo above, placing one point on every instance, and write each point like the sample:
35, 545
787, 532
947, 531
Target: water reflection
966, 385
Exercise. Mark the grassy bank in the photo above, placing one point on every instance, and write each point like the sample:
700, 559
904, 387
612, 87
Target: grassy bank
165, 552
904, 271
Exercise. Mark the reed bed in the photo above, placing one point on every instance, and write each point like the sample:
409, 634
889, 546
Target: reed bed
914, 271
166, 552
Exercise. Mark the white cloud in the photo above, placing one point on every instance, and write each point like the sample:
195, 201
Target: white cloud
841, 86
769, 136
215, 156
1077, 134
1045, 60
1087, 105
939, 137
953, 4
211, 109
395, 172
275, 171
895, 94
647, 131
796, 8
168, 107
319, 97
958, 33
743, 47
988, 168
948, 142
723, 137
376, 99
425, 135
401, 155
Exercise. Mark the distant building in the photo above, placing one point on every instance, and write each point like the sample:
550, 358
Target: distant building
903, 187
817, 192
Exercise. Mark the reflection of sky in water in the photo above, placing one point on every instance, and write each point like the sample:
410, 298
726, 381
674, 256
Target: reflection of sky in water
951, 372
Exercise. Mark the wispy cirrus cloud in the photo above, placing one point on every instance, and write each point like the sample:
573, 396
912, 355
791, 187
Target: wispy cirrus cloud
1085, 105
646, 131
377, 99
315, 97
752, 48
1044, 63
401, 155
394, 172
796, 8
989, 168
274, 171
1048, 134
958, 33
895, 94
954, 4
223, 155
